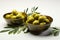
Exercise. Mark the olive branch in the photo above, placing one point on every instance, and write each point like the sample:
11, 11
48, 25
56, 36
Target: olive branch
14, 29
34, 9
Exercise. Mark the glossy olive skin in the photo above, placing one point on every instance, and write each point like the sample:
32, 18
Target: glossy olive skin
35, 22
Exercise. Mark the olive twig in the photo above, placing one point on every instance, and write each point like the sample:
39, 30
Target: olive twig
34, 9
26, 10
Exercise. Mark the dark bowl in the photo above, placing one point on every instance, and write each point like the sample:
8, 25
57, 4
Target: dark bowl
13, 21
37, 29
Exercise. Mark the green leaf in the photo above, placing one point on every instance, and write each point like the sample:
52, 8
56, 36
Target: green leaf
26, 10
10, 32
36, 8
8, 27
29, 14
15, 30
56, 33
55, 28
21, 29
3, 31
32, 9
26, 30
18, 31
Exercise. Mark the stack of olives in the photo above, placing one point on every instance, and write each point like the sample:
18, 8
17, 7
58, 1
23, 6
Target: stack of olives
37, 19
15, 17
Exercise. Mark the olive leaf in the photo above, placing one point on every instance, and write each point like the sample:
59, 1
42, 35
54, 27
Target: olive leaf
55, 28
3, 31
26, 10
56, 33
15, 31
26, 30
34, 9
29, 14
18, 31
21, 29
8, 27
10, 32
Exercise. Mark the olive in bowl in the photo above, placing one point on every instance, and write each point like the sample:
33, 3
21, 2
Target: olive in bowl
37, 26
15, 17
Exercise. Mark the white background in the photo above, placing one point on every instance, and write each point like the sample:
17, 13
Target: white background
47, 7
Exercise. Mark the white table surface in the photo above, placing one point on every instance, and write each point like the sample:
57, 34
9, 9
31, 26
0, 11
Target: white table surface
47, 7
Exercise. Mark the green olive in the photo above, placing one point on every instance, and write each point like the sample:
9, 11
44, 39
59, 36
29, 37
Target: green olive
11, 14
14, 12
42, 24
18, 16
13, 17
36, 22
24, 14
42, 17
22, 17
7, 16
47, 20
35, 13
29, 17
27, 21
19, 13
36, 16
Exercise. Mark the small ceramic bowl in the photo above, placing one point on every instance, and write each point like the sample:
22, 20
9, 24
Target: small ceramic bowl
13, 21
37, 29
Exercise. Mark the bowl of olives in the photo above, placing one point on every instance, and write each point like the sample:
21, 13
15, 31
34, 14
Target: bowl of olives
38, 23
15, 17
